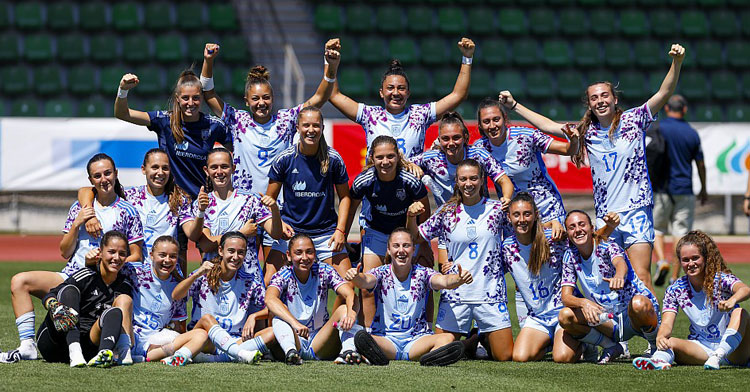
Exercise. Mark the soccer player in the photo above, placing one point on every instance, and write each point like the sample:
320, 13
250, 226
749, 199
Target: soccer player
390, 189
227, 209
112, 211
311, 173
154, 310
298, 298
709, 294
227, 303
260, 135
407, 124
471, 227
614, 144
534, 259
89, 314
400, 330
610, 288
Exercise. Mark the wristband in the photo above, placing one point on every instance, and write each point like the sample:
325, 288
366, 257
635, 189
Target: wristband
207, 83
466, 60
329, 80
342, 231
512, 108
122, 93
201, 215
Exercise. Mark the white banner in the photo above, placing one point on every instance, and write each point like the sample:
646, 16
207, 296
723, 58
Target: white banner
726, 152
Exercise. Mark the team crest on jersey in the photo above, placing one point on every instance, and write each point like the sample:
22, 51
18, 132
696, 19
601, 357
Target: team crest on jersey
402, 304
223, 222
299, 186
396, 129
224, 304
401, 194
471, 230
206, 133
151, 218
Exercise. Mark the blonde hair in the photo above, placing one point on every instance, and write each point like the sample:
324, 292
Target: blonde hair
187, 78
713, 262
540, 249
589, 118
322, 154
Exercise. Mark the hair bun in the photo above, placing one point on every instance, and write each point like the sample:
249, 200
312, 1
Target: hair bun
258, 72
395, 65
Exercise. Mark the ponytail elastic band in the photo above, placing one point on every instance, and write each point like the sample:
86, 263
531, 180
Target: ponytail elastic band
122, 93
329, 80
207, 83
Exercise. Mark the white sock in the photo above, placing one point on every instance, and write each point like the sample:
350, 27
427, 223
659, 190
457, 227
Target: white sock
730, 340
347, 338
284, 334
25, 326
75, 354
253, 344
597, 338
185, 352
223, 341
664, 355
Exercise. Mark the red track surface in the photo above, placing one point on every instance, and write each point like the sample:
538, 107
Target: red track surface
45, 248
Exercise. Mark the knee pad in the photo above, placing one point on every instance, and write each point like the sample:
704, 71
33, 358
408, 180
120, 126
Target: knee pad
443, 356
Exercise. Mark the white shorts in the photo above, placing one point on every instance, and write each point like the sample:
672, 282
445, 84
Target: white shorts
708, 347
548, 326
403, 346
458, 317
158, 338
320, 242
677, 211
374, 243
521, 311
636, 226
305, 347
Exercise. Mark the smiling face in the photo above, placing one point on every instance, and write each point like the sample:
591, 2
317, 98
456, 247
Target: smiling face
156, 170
232, 254
219, 169
492, 123
601, 101
113, 255
522, 217
579, 229
189, 98
451, 138
395, 92
400, 249
310, 128
103, 176
469, 182
302, 255
164, 258
692, 262
259, 98
385, 157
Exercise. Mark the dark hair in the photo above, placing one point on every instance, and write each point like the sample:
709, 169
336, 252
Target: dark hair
112, 235
175, 194
379, 141
102, 157
488, 102
187, 78
258, 75
394, 68
713, 262
540, 249
390, 237
213, 276
322, 154
452, 203
454, 118
216, 150
589, 117
299, 236
676, 103
598, 237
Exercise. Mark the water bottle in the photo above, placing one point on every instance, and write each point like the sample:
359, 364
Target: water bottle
427, 181
603, 318
355, 328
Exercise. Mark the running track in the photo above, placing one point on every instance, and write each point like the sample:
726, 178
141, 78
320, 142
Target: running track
45, 248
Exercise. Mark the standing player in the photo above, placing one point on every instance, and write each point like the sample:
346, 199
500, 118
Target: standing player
112, 211
227, 302
400, 330
610, 287
154, 309
614, 143
298, 297
709, 294
310, 171
534, 260
89, 314
226, 209
391, 189
407, 124
471, 227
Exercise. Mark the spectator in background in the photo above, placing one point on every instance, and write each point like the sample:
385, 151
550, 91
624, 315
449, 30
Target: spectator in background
674, 201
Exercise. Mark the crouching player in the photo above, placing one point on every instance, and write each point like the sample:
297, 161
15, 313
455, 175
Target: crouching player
399, 329
153, 308
298, 297
89, 313
227, 301
709, 294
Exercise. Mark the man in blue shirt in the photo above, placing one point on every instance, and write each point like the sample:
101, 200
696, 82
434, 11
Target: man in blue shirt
674, 203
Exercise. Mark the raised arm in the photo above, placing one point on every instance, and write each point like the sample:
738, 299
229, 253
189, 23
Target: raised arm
655, 103
181, 290
543, 123
86, 199
325, 88
415, 209
136, 252
122, 111
273, 225
361, 279
461, 88
207, 74
70, 239
568, 148
451, 281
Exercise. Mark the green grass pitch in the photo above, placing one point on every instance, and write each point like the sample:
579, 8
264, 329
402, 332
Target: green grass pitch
324, 376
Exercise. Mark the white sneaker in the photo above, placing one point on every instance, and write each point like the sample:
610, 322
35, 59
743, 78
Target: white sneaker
712, 363
76, 359
625, 351
11, 356
644, 363
27, 349
250, 356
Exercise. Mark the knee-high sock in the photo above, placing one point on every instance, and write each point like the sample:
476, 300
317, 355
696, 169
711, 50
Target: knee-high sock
70, 296
223, 341
597, 338
665, 355
255, 343
347, 338
25, 326
111, 324
730, 340
651, 336
284, 334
